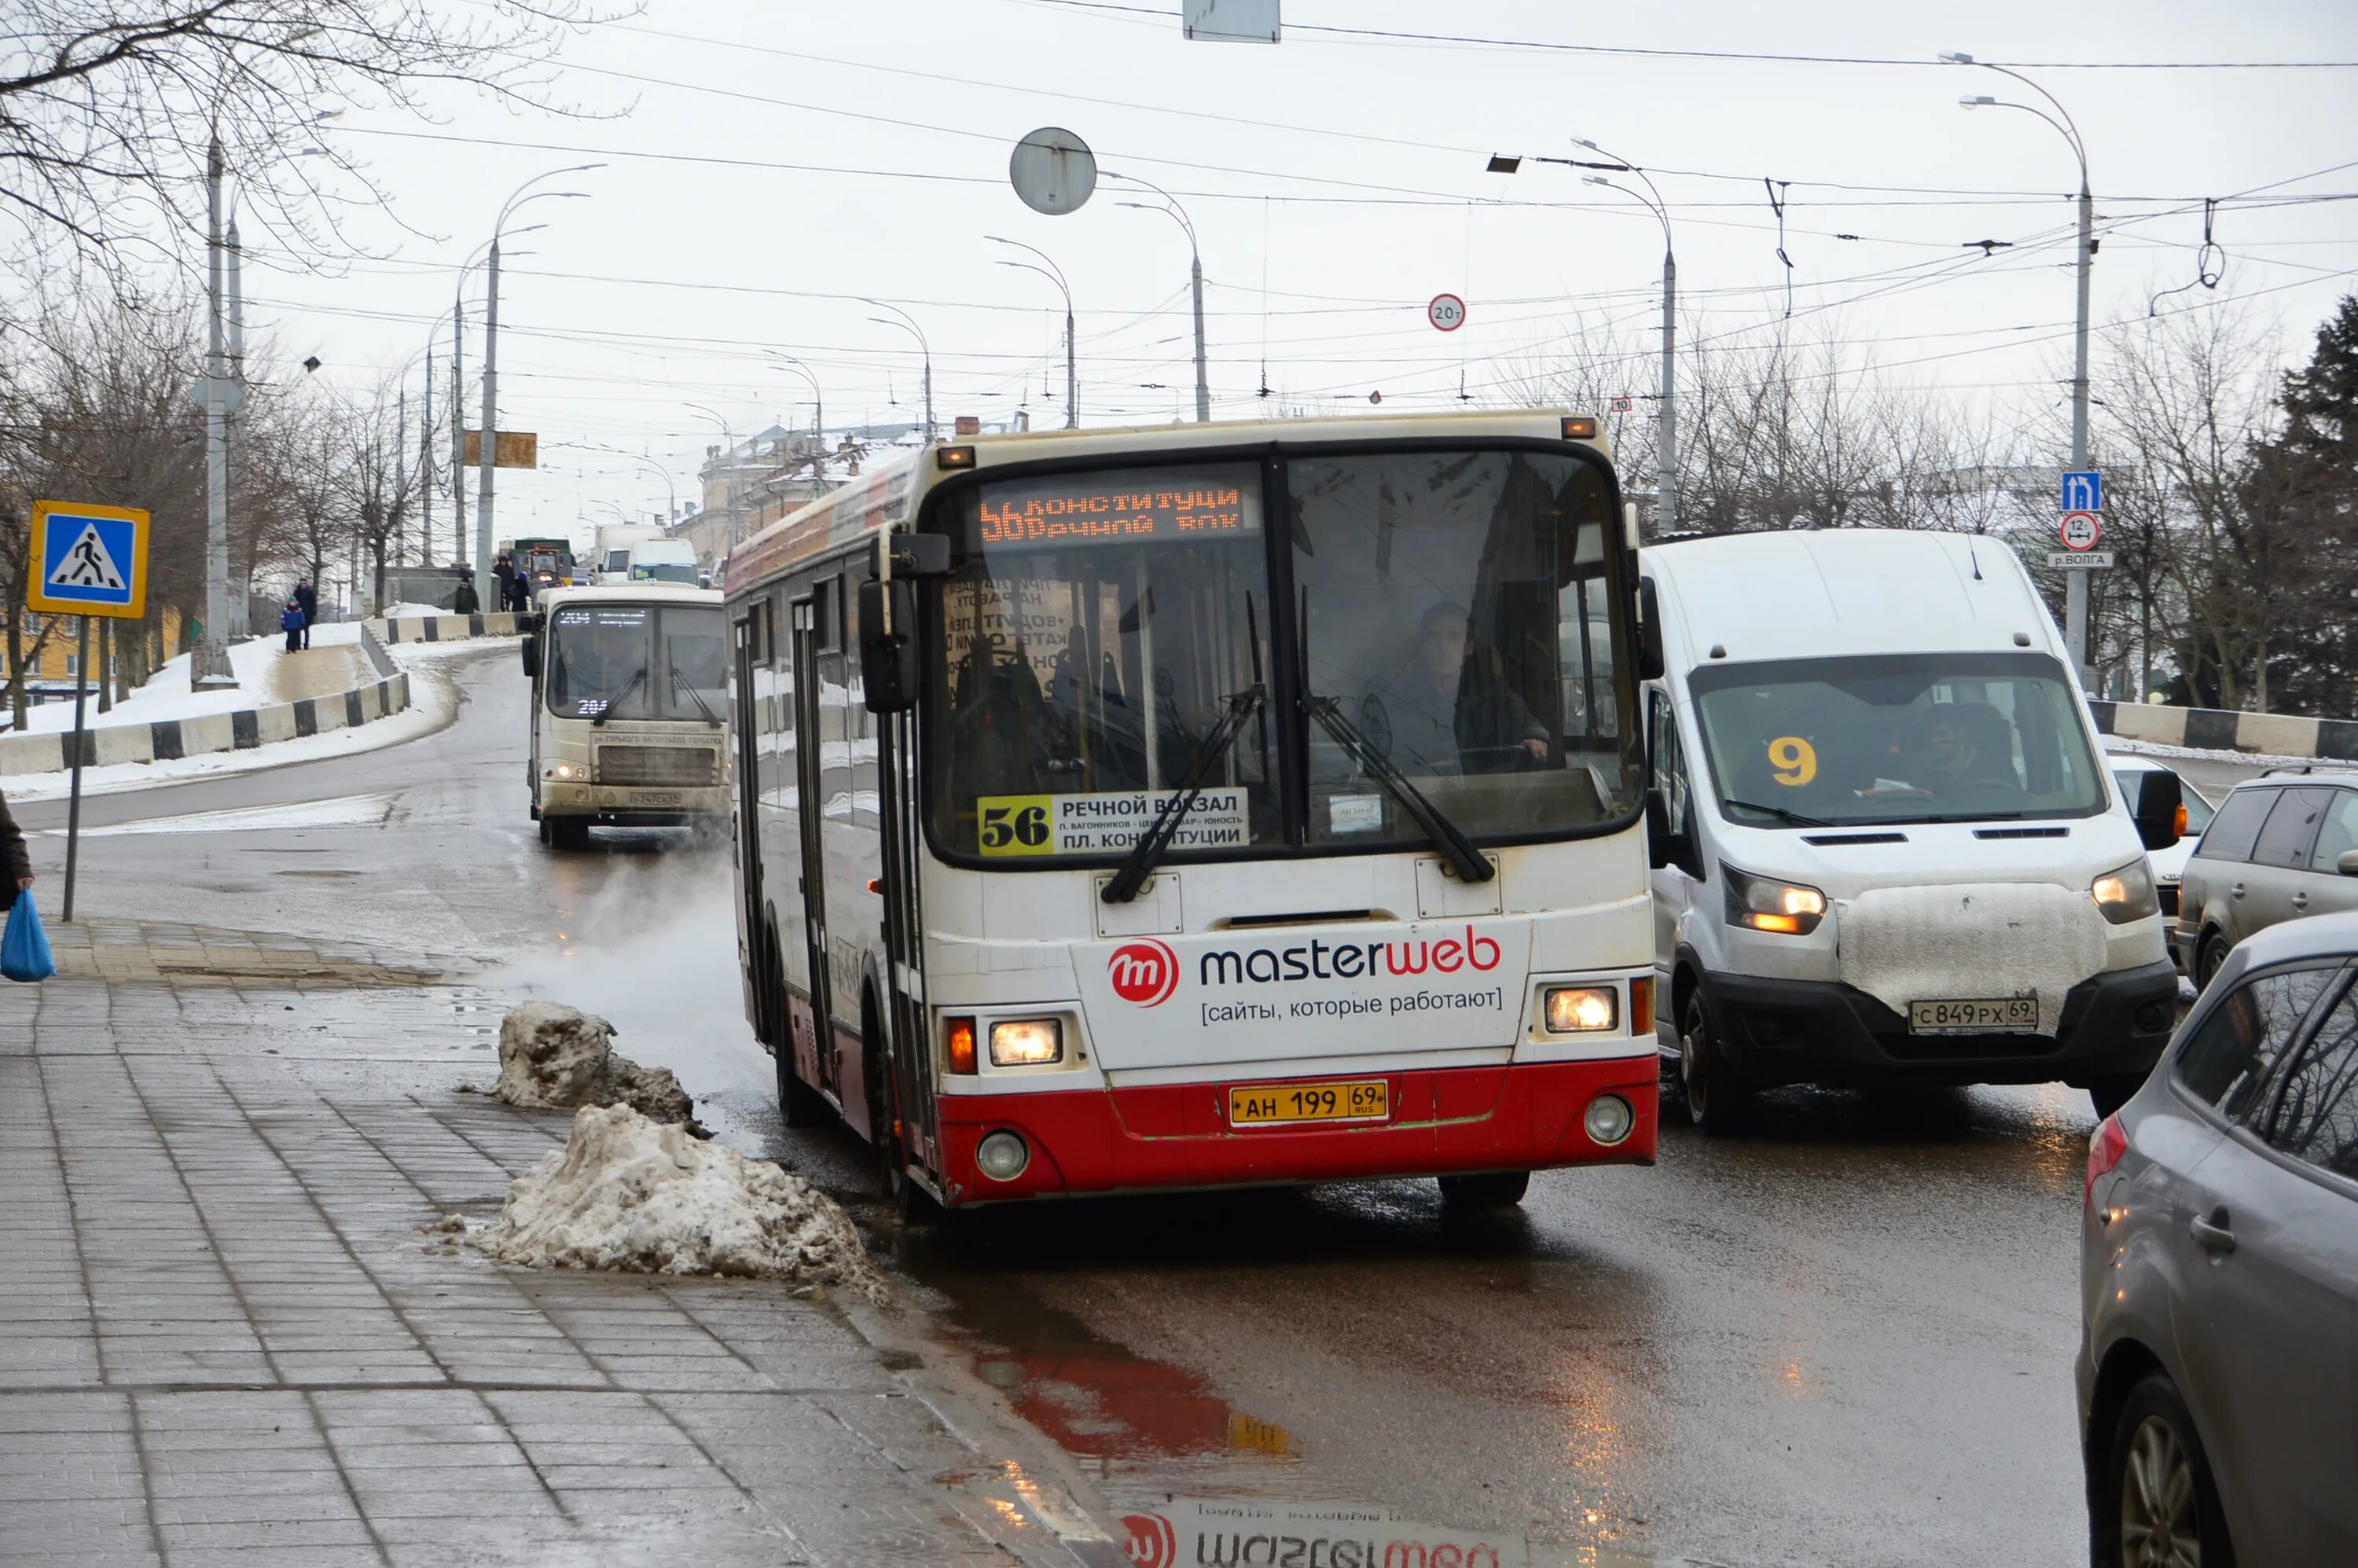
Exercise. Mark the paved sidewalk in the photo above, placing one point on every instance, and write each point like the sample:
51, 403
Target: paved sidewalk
225, 1336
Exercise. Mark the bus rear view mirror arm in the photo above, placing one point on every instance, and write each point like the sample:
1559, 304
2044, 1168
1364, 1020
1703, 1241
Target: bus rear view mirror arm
890, 674
921, 555
2159, 808
530, 645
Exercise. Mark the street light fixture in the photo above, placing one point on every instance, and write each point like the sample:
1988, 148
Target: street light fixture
908, 324
2075, 584
1056, 275
1666, 464
489, 443
1172, 209
818, 398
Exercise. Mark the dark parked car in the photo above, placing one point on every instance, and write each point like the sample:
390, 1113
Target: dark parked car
2282, 845
2218, 1371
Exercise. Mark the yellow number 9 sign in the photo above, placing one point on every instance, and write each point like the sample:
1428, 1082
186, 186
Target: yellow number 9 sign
1795, 759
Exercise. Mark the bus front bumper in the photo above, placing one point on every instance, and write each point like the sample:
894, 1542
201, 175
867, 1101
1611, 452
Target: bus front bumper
617, 804
1443, 1121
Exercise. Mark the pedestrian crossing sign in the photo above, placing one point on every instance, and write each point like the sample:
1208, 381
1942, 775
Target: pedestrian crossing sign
92, 560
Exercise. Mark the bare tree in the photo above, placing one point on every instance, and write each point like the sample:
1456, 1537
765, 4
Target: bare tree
379, 475
111, 110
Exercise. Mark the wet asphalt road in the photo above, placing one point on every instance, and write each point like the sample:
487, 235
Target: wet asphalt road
1846, 1338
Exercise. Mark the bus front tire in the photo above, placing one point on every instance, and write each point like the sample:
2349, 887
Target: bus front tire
911, 1204
567, 832
1490, 1189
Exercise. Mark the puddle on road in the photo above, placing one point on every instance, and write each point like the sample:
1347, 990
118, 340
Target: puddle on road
1195, 1479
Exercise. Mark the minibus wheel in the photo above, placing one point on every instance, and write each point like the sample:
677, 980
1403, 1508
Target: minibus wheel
1717, 1097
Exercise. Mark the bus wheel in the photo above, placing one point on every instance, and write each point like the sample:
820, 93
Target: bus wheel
542, 823
1492, 1189
567, 832
799, 1104
911, 1203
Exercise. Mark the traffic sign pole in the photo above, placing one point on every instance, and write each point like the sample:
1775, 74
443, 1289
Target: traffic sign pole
81, 740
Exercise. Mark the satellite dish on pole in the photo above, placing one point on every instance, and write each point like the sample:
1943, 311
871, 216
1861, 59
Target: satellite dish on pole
1053, 171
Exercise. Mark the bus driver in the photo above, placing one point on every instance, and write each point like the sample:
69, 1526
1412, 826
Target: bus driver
1450, 709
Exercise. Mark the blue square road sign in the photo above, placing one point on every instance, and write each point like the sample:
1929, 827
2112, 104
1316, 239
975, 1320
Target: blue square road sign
91, 560
2083, 491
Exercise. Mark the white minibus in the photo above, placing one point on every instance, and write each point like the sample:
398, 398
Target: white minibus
1895, 852
629, 704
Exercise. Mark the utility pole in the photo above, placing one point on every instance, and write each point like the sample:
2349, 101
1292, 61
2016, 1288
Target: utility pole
488, 443
1666, 460
1172, 209
458, 426
2075, 583
218, 393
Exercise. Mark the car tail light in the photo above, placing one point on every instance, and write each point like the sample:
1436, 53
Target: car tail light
2106, 1150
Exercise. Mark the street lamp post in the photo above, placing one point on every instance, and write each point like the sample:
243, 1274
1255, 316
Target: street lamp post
1666, 461
2075, 584
908, 324
1056, 275
489, 443
818, 398
729, 458
1172, 209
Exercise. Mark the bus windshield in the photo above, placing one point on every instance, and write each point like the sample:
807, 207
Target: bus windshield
1896, 739
1452, 634
636, 661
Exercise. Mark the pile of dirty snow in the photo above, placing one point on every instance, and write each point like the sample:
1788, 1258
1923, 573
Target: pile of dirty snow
627, 1194
558, 1057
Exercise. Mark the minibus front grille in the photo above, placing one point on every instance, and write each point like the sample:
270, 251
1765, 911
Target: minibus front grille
661, 767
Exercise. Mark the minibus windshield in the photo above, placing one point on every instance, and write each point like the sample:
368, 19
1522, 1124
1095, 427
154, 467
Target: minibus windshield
1449, 651
1896, 739
636, 661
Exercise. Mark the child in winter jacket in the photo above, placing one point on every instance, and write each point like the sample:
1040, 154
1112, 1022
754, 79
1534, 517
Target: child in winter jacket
291, 622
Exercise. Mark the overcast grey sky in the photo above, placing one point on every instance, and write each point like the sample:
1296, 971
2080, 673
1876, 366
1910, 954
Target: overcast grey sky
770, 161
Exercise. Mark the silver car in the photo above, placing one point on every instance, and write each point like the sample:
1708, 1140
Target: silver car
2282, 845
2218, 1369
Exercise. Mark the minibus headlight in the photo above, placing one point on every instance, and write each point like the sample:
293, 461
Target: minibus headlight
1763, 903
1582, 1009
1026, 1043
2126, 894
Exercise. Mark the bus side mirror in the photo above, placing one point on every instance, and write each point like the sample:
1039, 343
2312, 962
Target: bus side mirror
921, 555
889, 672
2159, 807
531, 655
1653, 661
1666, 846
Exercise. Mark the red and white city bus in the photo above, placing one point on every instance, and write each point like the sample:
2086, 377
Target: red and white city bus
1203, 805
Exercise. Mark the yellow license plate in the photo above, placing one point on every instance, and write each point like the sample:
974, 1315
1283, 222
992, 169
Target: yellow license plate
1269, 1105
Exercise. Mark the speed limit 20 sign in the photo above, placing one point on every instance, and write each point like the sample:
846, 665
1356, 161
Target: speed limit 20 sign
1446, 311
2081, 530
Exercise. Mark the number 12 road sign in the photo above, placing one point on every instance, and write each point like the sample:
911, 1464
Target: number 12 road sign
92, 560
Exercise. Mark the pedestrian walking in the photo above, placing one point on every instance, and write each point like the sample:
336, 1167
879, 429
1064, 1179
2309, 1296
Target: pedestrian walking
465, 603
519, 593
307, 598
504, 591
291, 622
16, 861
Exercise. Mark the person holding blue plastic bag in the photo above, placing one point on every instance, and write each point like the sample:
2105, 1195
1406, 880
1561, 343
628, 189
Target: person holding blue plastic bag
24, 948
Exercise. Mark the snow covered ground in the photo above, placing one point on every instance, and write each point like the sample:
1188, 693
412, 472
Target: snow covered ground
433, 703
166, 693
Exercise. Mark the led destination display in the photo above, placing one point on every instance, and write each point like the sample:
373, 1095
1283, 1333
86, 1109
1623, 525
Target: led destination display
1120, 507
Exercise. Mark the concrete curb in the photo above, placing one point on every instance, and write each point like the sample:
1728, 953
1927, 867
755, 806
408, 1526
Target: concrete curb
170, 740
2217, 730
442, 628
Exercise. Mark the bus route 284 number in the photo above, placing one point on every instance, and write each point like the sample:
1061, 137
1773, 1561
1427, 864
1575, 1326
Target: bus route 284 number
1014, 824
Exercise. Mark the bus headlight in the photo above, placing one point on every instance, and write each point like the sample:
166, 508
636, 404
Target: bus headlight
1608, 1120
1026, 1043
1763, 903
1002, 1155
1582, 1009
565, 771
2126, 894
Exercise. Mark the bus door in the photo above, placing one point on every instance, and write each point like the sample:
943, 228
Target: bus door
747, 653
811, 815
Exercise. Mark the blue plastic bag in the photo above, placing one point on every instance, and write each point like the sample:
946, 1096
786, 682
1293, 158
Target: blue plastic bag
25, 946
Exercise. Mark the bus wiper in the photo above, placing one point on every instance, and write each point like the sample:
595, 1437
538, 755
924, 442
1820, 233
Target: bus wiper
1793, 818
1470, 862
678, 685
616, 701
1157, 836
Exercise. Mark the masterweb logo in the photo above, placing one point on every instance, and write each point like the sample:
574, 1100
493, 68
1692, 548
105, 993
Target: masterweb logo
1145, 972
1152, 1542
